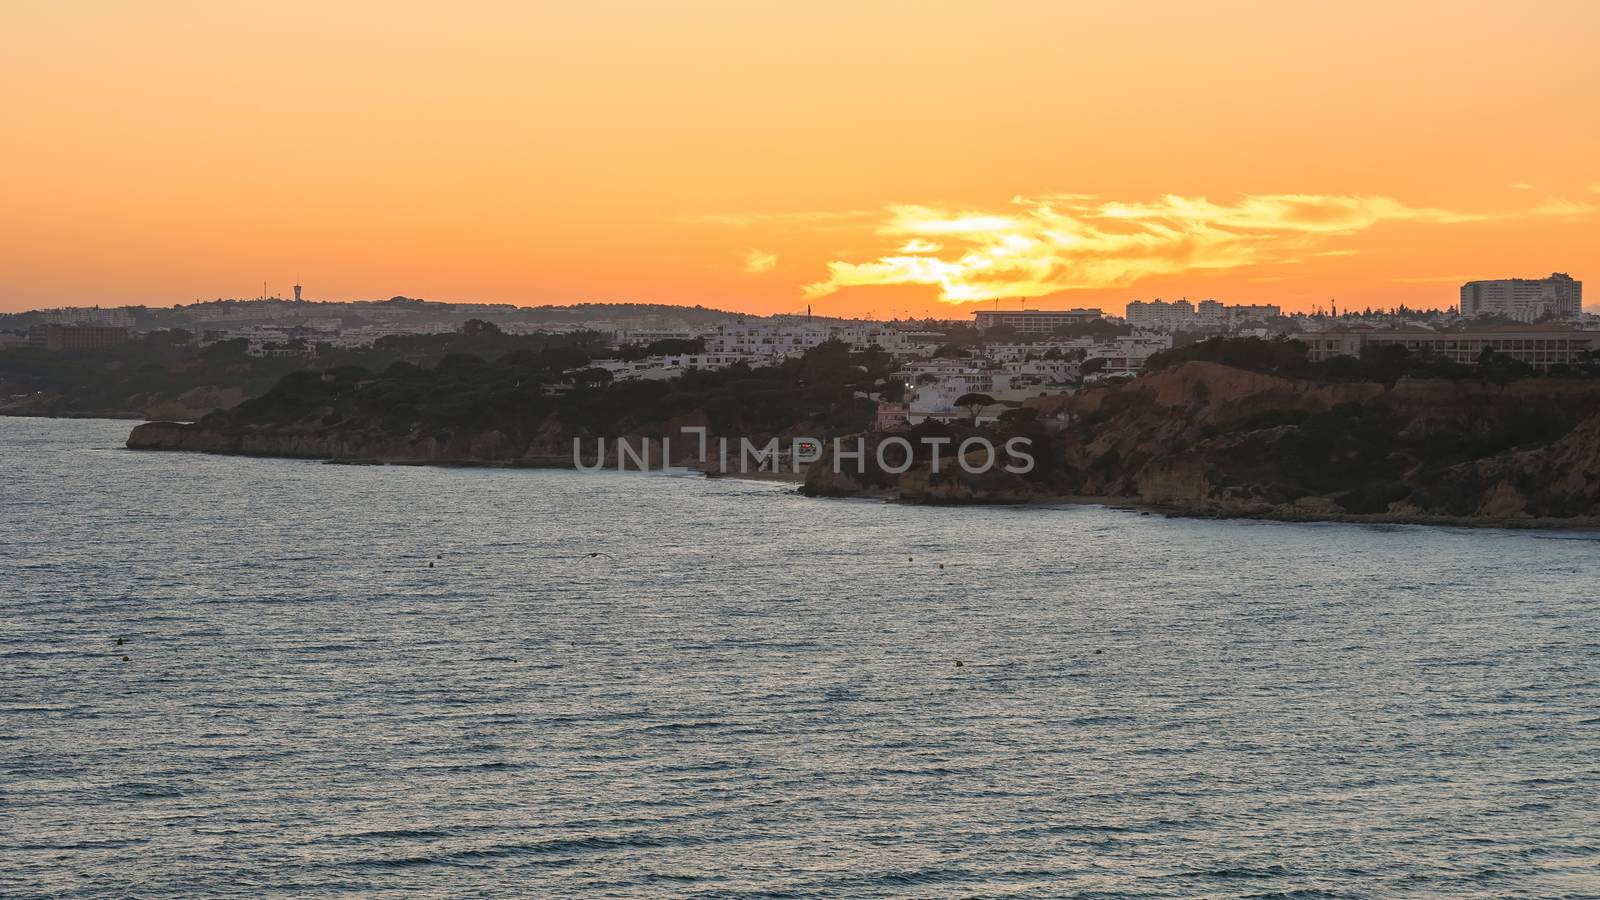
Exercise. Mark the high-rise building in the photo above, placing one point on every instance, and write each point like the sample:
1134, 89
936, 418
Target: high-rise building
1159, 315
1209, 315
1524, 299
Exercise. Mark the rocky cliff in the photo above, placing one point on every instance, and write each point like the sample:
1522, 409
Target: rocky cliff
1206, 439
1199, 438
326, 433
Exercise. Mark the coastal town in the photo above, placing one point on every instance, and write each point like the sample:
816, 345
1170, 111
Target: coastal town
1003, 354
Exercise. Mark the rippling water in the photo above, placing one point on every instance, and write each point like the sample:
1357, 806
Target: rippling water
755, 694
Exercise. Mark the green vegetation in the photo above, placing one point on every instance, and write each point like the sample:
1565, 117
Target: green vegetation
974, 404
517, 393
667, 347
1384, 364
119, 379
165, 365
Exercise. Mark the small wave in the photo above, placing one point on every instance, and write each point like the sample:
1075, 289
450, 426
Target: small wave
687, 726
111, 844
556, 847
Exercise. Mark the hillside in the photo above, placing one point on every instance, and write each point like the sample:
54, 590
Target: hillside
1207, 439
520, 409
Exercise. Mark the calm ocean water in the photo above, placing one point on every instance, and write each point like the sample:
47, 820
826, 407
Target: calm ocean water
755, 694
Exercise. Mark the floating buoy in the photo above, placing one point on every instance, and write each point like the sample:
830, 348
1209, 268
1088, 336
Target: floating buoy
125, 659
119, 642
958, 663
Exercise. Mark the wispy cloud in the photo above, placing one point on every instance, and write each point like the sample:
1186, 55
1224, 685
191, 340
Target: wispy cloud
758, 261
1520, 186
1562, 207
1060, 242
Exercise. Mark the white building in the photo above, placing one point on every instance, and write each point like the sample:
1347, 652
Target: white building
1034, 321
1524, 299
661, 368
1181, 315
863, 335
766, 337
110, 317
1127, 355
938, 402
1051, 372
1159, 315
651, 335
1250, 312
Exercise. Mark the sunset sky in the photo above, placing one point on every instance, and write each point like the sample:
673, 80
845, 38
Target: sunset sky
883, 158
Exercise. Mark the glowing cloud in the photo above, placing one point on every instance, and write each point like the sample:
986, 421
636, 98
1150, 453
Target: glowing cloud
1063, 242
758, 261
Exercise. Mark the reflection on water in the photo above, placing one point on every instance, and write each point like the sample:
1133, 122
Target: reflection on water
747, 692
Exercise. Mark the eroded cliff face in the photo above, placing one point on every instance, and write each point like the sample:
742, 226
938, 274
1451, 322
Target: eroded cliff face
1209, 439
1206, 439
957, 486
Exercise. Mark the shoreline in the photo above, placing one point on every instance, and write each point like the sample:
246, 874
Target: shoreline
889, 495
121, 415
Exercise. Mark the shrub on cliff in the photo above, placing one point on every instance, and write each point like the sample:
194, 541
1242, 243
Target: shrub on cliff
1275, 357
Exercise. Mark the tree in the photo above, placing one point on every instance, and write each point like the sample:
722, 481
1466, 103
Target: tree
1501, 368
1385, 363
235, 347
974, 403
459, 364
596, 377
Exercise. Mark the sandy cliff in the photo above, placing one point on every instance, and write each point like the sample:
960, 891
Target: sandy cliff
1207, 439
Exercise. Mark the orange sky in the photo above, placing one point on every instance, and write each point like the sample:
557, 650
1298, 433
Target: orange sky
862, 157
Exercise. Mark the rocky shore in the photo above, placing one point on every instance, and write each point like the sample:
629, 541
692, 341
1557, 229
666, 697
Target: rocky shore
1199, 439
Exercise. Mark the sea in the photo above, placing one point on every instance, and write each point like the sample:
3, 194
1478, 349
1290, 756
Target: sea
235, 677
